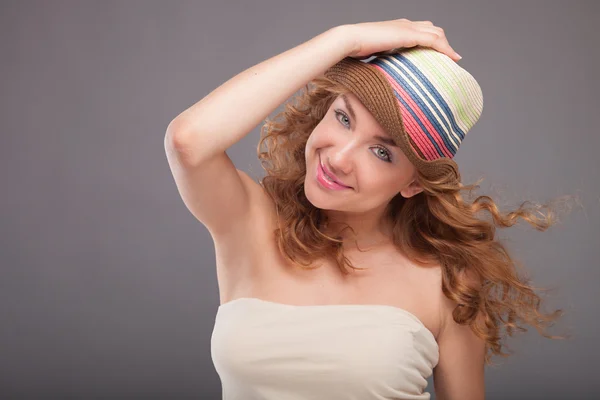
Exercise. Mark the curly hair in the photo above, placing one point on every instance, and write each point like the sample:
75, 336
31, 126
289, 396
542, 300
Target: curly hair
436, 227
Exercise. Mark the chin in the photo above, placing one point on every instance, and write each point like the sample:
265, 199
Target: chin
315, 194
319, 198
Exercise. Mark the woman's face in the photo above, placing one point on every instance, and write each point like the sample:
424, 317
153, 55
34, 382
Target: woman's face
353, 146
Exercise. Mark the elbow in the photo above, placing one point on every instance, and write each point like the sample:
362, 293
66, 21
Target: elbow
175, 136
177, 144
189, 147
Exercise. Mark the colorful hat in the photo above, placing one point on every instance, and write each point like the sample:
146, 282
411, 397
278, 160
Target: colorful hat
422, 98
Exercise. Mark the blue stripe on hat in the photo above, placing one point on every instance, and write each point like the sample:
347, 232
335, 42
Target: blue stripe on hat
417, 99
410, 110
433, 91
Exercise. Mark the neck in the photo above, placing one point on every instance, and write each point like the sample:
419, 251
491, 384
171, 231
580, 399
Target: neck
366, 235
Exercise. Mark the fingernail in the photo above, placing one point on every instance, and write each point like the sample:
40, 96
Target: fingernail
457, 55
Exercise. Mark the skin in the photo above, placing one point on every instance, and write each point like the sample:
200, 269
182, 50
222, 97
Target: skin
345, 141
347, 146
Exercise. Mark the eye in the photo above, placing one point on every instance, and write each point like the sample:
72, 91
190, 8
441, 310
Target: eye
338, 113
387, 156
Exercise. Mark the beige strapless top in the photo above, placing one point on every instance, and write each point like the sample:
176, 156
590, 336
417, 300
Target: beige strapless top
273, 351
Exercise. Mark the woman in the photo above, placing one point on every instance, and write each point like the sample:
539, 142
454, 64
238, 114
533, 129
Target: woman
355, 269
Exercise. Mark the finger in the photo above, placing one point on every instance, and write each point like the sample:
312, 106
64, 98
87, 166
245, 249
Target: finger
424, 22
435, 29
440, 43
444, 47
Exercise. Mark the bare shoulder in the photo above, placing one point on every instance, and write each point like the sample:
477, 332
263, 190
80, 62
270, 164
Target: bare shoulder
431, 279
447, 306
460, 371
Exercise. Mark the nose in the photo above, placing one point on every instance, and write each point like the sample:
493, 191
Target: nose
340, 163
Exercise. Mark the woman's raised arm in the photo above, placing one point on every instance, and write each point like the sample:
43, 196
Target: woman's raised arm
232, 110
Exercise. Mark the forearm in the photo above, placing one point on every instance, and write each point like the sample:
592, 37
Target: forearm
232, 110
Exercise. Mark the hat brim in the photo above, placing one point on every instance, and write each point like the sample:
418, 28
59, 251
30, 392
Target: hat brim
377, 95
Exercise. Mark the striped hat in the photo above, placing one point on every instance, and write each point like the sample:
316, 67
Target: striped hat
422, 98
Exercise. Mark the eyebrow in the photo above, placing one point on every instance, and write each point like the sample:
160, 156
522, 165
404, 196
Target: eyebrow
349, 106
384, 139
387, 140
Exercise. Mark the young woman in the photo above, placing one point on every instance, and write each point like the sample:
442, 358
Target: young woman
354, 269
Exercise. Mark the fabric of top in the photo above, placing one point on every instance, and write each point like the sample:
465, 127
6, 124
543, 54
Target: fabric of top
264, 350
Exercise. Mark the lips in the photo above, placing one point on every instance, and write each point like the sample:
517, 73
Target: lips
331, 175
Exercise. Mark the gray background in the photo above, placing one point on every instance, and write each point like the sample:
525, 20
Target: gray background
108, 287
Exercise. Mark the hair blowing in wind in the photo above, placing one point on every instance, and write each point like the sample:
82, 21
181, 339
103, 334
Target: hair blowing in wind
441, 226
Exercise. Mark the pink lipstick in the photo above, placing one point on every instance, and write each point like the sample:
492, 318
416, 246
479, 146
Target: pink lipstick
327, 182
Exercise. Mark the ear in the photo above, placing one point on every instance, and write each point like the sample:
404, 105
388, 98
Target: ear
411, 190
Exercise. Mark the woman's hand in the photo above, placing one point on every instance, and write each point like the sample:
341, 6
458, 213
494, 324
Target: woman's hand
386, 37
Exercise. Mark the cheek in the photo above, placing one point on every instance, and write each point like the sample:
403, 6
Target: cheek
309, 150
316, 141
310, 141
314, 138
381, 184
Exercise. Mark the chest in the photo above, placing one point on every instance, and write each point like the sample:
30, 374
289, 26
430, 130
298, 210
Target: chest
388, 278
253, 266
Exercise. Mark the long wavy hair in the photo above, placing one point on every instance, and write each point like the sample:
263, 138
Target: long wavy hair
436, 227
